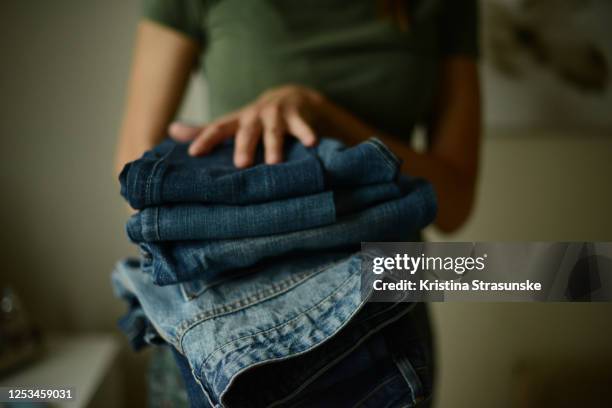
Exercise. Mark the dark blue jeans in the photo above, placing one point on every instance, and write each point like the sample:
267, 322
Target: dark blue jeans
198, 221
167, 174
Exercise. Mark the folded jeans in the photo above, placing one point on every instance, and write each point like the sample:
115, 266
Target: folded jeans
197, 221
369, 372
287, 309
394, 220
167, 174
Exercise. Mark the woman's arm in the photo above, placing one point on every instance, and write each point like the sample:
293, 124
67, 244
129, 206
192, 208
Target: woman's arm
451, 161
163, 60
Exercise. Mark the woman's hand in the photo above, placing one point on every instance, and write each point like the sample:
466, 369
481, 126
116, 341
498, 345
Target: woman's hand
288, 110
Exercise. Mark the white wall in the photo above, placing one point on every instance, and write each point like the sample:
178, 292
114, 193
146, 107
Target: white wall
63, 74
535, 186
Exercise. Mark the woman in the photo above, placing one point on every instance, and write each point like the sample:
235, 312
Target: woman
350, 70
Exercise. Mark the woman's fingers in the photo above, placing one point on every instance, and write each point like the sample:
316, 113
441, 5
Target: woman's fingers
212, 135
299, 128
273, 135
182, 132
247, 138
274, 116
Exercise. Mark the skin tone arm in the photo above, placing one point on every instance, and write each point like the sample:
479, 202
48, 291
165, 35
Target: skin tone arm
162, 63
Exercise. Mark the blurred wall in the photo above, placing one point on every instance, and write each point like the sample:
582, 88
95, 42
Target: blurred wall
64, 70
535, 186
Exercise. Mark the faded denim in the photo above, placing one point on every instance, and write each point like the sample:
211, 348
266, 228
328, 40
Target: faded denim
167, 174
394, 220
378, 372
302, 314
265, 319
198, 221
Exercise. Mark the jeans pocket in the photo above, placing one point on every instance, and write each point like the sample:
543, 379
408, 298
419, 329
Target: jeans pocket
410, 377
409, 344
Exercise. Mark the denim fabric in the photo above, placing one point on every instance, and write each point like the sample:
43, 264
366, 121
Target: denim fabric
327, 374
206, 221
197, 399
166, 385
288, 308
135, 324
359, 366
167, 174
270, 297
377, 373
371, 376
394, 220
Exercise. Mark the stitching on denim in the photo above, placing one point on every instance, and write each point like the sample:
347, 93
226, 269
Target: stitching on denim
294, 322
401, 366
384, 149
277, 327
390, 163
153, 173
136, 184
289, 322
308, 349
148, 193
306, 234
406, 368
191, 294
156, 217
249, 301
371, 331
349, 318
242, 303
390, 159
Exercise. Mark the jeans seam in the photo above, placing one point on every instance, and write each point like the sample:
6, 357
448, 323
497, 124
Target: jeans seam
154, 170
136, 184
416, 387
157, 232
389, 157
370, 331
405, 367
286, 323
191, 294
258, 297
377, 328
243, 303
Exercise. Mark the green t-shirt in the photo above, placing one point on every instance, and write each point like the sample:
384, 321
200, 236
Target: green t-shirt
343, 48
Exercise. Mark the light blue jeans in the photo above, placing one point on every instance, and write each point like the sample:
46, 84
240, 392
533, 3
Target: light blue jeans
306, 308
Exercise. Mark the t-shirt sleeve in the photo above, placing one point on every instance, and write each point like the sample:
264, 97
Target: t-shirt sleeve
460, 28
184, 16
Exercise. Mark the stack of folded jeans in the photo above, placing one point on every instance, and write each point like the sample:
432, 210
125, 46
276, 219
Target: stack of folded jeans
253, 276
